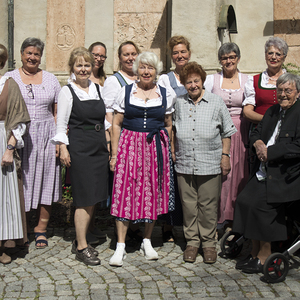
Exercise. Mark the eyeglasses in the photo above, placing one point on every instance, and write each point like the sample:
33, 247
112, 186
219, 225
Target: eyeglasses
30, 91
288, 92
96, 55
231, 58
277, 54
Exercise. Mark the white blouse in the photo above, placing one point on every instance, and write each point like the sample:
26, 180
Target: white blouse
250, 91
111, 89
18, 131
209, 82
120, 100
164, 81
64, 109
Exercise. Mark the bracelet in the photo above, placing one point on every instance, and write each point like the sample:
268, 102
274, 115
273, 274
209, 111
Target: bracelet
226, 154
113, 157
108, 142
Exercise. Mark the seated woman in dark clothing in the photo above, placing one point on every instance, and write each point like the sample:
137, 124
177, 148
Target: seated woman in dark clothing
259, 213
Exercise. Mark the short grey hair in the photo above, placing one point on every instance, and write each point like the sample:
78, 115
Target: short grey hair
277, 43
33, 42
227, 48
148, 58
290, 78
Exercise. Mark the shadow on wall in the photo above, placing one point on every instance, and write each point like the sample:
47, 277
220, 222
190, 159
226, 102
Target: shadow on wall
161, 36
289, 26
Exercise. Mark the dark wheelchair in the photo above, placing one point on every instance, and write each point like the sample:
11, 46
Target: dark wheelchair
276, 266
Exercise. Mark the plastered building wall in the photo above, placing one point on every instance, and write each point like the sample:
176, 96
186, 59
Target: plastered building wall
150, 24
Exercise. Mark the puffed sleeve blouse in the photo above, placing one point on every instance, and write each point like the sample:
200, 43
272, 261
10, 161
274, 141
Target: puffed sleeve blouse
64, 109
119, 105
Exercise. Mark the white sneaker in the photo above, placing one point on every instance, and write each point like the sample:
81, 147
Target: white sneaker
117, 258
147, 250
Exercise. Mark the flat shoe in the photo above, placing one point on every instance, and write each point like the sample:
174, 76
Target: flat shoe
87, 257
117, 259
148, 251
190, 254
254, 266
74, 247
40, 241
239, 265
210, 255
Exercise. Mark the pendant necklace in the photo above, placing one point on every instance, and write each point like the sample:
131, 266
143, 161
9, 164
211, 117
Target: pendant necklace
147, 97
234, 78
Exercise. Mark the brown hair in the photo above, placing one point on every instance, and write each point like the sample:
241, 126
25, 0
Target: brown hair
77, 52
191, 68
176, 40
3, 56
101, 74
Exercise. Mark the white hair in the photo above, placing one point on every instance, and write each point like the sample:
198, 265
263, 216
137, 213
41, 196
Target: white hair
148, 58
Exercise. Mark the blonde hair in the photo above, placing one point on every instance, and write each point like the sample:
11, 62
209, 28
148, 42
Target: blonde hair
80, 52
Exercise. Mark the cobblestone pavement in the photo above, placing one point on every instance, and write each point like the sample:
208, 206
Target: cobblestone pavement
53, 273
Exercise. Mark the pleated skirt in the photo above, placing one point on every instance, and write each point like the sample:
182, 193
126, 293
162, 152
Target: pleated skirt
10, 210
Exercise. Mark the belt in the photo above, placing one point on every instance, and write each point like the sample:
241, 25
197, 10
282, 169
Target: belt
96, 127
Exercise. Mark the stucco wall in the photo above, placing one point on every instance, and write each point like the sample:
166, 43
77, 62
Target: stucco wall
99, 27
198, 20
30, 21
3, 28
255, 26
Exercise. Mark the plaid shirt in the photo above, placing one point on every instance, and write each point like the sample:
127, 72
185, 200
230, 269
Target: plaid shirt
200, 129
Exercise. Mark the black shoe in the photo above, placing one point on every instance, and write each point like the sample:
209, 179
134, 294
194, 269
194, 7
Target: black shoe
239, 265
254, 266
74, 247
87, 257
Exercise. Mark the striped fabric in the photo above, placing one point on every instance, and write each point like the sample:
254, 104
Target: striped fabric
10, 212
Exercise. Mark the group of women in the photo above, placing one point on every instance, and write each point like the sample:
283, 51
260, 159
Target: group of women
141, 126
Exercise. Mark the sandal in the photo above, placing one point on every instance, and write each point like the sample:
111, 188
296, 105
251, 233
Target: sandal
41, 241
167, 236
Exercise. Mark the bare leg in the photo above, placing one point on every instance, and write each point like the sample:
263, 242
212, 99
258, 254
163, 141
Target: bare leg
255, 248
82, 220
43, 213
264, 252
122, 228
148, 230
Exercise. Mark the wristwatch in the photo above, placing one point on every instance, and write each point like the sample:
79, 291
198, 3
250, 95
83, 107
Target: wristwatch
10, 147
226, 154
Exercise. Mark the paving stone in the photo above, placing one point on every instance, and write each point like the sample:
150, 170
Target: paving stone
55, 274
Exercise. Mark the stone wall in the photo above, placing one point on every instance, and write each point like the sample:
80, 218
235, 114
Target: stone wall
67, 24
287, 27
143, 22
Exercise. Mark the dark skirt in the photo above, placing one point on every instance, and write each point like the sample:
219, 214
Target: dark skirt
255, 218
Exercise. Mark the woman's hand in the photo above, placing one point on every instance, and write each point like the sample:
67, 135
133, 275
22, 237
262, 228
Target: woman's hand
7, 158
261, 150
65, 158
173, 156
225, 165
57, 150
112, 163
